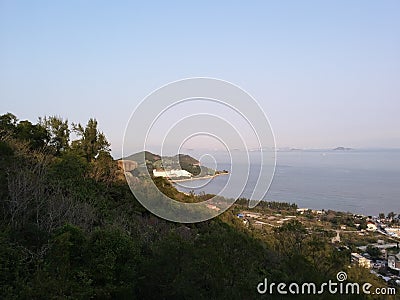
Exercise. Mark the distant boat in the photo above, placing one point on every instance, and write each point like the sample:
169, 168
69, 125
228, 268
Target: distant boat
342, 149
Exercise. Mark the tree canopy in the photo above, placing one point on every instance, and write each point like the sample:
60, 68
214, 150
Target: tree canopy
70, 228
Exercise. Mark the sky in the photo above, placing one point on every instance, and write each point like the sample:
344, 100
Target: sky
326, 74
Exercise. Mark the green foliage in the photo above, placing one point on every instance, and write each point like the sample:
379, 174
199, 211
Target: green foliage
374, 252
103, 168
8, 123
68, 167
290, 237
14, 266
59, 132
188, 163
179, 161
112, 258
6, 154
91, 141
36, 135
143, 157
220, 264
71, 229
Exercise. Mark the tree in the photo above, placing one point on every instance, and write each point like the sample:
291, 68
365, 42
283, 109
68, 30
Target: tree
363, 224
91, 141
290, 237
112, 258
373, 251
8, 123
381, 215
59, 132
36, 135
391, 215
26, 184
63, 274
104, 168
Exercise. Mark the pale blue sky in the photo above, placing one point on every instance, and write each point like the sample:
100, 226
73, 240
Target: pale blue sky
326, 73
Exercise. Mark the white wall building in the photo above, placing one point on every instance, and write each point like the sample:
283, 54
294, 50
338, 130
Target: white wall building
394, 262
361, 260
371, 226
172, 173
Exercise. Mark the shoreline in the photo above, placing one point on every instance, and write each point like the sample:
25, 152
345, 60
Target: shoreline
197, 178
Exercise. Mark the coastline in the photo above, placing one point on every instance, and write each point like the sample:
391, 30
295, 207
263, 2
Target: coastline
197, 178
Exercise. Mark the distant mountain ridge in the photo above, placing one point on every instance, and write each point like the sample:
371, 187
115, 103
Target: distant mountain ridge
138, 157
178, 161
151, 157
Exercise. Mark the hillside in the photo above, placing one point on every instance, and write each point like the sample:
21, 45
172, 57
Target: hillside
179, 161
138, 157
70, 228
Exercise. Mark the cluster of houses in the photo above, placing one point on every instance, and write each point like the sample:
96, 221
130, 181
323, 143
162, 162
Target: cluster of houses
383, 226
389, 263
360, 260
392, 265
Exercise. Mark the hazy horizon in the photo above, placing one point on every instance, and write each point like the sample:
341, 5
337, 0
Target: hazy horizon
195, 152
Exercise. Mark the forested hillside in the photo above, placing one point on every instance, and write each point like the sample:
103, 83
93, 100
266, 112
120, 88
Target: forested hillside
70, 228
178, 161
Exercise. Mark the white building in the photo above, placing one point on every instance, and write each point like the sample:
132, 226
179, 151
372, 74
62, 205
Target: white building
252, 215
302, 210
361, 260
394, 262
172, 173
371, 226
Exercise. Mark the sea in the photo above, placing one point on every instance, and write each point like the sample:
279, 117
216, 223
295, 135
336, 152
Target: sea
358, 181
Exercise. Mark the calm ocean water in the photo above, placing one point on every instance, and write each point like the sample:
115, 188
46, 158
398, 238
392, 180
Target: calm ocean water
358, 181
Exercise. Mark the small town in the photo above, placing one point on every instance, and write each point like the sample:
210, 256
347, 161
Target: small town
372, 242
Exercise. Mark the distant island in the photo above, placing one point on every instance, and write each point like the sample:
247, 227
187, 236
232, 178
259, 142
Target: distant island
180, 167
342, 149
